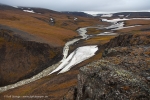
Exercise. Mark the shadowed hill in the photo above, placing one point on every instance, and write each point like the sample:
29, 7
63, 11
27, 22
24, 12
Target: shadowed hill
82, 14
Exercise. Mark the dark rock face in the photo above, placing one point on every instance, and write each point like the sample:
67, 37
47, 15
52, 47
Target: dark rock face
128, 40
71, 95
123, 74
22, 59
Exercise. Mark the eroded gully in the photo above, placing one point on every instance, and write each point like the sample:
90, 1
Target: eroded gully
52, 69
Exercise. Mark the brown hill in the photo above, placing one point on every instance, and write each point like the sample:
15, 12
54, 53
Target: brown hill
64, 86
54, 87
29, 43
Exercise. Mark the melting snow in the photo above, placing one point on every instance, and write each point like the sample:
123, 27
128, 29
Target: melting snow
66, 48
15, 6
123, 19
115, 20
120, 25
51, 19
30, 11
116, 25
82, 32
77, 56
75, 18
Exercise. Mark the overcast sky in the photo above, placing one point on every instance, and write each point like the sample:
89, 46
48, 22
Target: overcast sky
84, 5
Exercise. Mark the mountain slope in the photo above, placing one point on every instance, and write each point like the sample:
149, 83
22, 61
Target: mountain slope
29, 43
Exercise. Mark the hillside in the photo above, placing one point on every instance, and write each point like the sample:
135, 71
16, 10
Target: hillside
32, 39
39, 23
31, 42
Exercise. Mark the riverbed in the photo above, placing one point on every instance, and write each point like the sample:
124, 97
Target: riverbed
77, 56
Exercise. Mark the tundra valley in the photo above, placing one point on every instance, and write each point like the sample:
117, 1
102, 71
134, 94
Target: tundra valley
61, 55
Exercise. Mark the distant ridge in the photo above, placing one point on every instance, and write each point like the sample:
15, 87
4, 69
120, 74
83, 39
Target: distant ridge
133, 14
82, 14
129, 14
6, 7
38, 9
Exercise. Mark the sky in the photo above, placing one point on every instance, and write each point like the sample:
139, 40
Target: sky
104, 6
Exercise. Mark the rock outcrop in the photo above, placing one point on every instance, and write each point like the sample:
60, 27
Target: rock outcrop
129, 40
123, 72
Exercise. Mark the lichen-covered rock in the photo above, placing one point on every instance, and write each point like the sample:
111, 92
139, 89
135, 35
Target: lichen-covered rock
129, 40
122, 74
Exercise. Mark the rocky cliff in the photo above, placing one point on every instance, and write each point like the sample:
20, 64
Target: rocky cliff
123, 73
18, 55
129, 40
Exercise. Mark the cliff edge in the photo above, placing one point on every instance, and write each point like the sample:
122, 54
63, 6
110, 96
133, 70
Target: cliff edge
123, 73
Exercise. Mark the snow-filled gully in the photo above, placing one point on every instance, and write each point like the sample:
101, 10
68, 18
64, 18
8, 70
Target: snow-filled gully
77, 56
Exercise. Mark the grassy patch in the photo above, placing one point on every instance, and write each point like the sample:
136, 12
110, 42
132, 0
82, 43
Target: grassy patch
94, 31
137, 22
99, 40
38, 24
140, 30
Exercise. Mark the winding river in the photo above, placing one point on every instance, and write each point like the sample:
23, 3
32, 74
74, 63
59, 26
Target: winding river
46, 72
69, 61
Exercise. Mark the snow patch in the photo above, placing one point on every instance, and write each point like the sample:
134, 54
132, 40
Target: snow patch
122, 19
15, 6
75, 18
118, 24
51, 19
77, 56
66, 48
30, 11
115, 20
82, 32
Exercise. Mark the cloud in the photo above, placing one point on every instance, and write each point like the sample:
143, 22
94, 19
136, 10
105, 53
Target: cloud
84, 5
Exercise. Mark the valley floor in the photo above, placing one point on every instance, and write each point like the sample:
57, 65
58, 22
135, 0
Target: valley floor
117, 67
